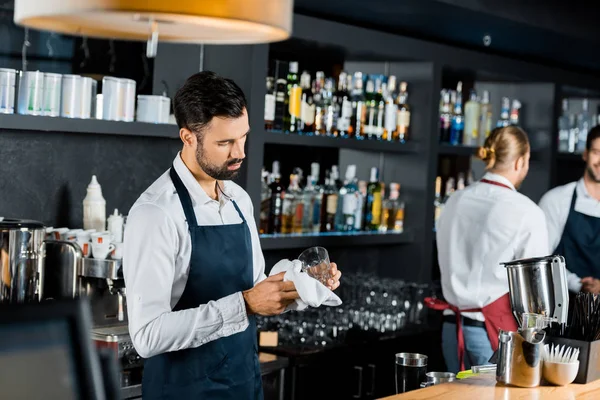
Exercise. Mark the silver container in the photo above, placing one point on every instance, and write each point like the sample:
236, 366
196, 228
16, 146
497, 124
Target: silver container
519, 360
87, 89
436, 378
52, 94
31, 92
153, 109
22, 253
7, 90
128, 86
539, 286
71, 96
112, 99
61, 268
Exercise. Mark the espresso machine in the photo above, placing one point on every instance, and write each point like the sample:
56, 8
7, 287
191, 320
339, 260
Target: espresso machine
538, 296
69, 274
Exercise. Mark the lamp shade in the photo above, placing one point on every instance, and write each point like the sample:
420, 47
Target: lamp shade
182, 21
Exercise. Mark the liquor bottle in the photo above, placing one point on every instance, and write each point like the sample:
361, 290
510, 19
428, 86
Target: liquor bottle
514, 112
312, 201
564, 128
504, 114
399, 220
460, 183
472, 117
445, 118
458, 121
361, 195
270, 103
277, 193
584, 124
294, 99
292, 210
359, 110
437, 201
391, 110
307, 106
281, 106
485, 118
265, 202
327, 115
349, 200
343, 106
449, 189
373, 202
390, 206
380, 87
403, 116
329, 204
370, 105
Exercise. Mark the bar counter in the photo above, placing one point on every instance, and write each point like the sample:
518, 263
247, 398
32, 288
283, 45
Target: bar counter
484, 387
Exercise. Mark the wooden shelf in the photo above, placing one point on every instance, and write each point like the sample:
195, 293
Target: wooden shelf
346, 239
457, 150
20, 122
327, 141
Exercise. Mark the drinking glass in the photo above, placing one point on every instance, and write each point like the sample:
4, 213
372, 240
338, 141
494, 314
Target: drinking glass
315, 262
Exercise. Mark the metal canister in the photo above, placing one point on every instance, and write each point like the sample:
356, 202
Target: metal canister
7, 90
153, 109
86, 97
128, 100
71, 96
22, 254
31, 92
112, 99
52, 92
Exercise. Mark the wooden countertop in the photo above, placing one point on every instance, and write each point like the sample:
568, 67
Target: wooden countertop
484, 387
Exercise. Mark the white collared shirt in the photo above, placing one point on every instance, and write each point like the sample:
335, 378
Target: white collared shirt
557, 203
156, 261
480, 227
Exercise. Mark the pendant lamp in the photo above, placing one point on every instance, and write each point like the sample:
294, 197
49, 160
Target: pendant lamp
181, 21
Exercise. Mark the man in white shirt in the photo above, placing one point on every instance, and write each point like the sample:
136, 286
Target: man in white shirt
573, 217
480, 227
193, 265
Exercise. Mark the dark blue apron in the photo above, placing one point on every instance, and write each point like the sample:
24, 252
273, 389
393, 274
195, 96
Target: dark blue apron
580, 243
226, 368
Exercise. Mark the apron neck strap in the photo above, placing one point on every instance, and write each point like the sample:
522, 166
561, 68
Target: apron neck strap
238, 211
184, 197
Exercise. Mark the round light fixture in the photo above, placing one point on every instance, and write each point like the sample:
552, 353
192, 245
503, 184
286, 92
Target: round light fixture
181, 21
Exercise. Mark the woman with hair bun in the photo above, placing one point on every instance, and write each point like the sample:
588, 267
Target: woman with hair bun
481, 226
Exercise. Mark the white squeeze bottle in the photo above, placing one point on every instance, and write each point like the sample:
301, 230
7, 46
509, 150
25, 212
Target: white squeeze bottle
115, 226
94, 207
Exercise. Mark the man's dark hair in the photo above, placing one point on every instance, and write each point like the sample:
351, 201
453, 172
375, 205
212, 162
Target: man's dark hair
206, 95
593, 134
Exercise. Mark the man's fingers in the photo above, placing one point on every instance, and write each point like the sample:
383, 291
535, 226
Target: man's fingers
287, 286
291, 295
276, 277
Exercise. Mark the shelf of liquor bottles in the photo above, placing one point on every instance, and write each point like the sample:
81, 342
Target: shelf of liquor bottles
313, 140
334, 239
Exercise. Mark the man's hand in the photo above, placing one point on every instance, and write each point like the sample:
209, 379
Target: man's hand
590, 284
270, 296
334, 282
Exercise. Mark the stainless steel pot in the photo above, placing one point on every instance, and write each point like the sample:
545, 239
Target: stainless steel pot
22, 252
538, 286
520, 360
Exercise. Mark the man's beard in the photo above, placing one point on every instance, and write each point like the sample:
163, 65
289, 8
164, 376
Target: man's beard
592, 175
220, 173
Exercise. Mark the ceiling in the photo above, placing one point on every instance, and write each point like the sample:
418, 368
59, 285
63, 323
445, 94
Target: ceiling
548, 31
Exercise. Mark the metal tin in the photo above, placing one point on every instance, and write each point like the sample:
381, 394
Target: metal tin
7, 90
71, 96
128, 100
99, 106
112, 98
52, 93
31, 92
86, 97
153, 109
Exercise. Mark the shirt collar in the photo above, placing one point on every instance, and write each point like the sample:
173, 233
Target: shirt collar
582, 190
498, 178
196, 192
